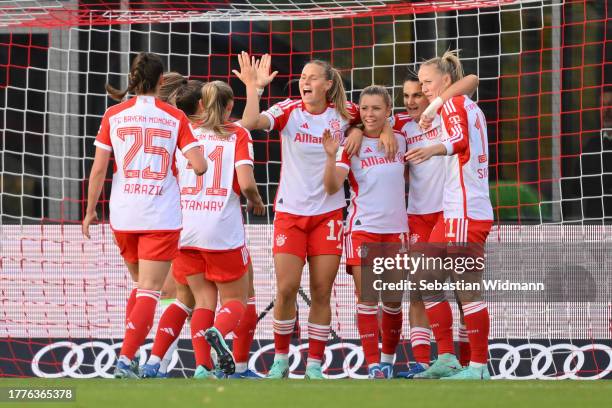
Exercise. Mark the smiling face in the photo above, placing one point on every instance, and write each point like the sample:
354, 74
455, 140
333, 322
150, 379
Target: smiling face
374, 112
415, 101
433, 82
314, 85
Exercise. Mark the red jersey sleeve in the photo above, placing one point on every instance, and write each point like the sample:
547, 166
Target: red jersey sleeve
186, 140
103, 140
353, 109
455, 119
399, 120
278, 114
244, 148
343, 159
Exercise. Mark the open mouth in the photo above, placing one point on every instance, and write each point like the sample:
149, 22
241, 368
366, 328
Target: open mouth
307, 91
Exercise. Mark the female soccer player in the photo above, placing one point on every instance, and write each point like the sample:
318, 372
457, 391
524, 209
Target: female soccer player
308, 222
371, 219
421, 126
467, 213
143, 132
213, 256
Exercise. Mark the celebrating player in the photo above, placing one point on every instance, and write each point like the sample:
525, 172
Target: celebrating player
308, 222
467, 213
371, 176
426, 187
143, 132
213, 256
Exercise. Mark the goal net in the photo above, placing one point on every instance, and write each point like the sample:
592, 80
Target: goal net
545, 70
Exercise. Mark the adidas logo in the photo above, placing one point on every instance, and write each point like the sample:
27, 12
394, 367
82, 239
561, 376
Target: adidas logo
130, 326
367, 150
167, 330
224, 310
304, 125
199, 334
358, 222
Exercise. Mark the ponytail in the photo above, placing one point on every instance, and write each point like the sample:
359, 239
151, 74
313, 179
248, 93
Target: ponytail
143, 77
336, 94
448, 64
216, 96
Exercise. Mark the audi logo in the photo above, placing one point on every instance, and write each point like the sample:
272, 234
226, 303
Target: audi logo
526, 361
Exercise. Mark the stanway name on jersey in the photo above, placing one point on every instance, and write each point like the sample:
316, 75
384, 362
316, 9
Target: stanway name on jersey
154, 120
206, 205
143, 189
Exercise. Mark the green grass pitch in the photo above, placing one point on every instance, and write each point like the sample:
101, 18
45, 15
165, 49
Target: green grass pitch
180, 393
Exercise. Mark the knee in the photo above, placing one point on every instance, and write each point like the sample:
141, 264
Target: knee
286, 292
320, 294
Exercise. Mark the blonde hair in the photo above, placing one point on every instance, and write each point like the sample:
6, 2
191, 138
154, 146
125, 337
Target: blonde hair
216, 96
336, 94
144, 76
377, 90
448, 64
172, 81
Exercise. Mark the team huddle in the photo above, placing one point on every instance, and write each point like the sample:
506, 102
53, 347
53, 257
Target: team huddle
180, 167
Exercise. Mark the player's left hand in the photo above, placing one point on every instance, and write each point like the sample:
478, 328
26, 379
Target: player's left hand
330, 144
419, 155
263, 66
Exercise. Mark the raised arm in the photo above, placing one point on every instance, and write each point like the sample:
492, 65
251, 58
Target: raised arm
255, 74
334, 175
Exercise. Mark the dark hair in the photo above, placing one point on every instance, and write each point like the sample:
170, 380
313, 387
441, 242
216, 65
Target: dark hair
186, 98
144, 76
411, 76
377, 90
216, 96
336, 94
172, 81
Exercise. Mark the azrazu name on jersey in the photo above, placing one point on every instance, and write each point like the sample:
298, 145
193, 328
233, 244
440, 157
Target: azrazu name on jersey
143, 189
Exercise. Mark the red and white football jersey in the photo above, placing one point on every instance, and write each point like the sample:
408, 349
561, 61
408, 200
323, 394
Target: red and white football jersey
300, 190
143, 134
378, 202
466, 185
212, 216
427, 178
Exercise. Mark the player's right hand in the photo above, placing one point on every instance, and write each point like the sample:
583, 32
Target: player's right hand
258, 207
330, 144
89, 219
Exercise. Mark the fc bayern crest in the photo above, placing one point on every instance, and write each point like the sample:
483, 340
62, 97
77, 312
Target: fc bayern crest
414, 238
280, 240
334, 124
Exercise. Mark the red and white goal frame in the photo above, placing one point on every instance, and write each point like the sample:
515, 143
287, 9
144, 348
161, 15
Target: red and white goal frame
545, 73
